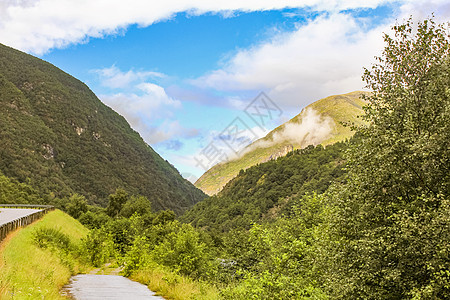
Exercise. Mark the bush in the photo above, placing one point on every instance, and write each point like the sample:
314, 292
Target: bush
93, 220
98, 247
47, 236
184, 251
76, 206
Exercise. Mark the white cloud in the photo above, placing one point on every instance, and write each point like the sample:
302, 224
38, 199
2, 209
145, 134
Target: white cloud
226, 145
113, 77
312, 130
39, 25
421, 9
144, 104
321, 58
168, 130
152, 97
142, 109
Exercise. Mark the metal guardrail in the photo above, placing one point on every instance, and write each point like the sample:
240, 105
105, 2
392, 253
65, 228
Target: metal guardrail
25, 206
6, 228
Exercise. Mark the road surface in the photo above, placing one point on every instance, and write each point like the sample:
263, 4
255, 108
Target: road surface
102, 287
10, 214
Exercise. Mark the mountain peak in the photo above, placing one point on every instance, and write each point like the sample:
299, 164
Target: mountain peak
320, 122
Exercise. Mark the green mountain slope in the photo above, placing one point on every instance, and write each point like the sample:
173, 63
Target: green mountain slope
13, 192
318, 123
268, 190
58, 137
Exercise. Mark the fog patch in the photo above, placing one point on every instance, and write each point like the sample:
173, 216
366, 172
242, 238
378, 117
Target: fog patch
312, 130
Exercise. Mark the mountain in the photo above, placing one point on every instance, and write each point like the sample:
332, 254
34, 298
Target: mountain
268, 190
13, 192
59, 138
318, 123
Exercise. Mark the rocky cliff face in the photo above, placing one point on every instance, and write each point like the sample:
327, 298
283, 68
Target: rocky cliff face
283, 152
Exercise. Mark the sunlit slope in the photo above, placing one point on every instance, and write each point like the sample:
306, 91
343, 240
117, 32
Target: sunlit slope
318, 123
28, 271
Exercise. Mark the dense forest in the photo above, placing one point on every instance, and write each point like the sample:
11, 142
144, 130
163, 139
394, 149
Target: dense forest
59, 138
364, 219
269, 190
14, 192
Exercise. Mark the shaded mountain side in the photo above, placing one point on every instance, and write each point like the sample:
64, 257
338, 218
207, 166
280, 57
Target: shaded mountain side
318, 123
14, 192
268, 190
58, 137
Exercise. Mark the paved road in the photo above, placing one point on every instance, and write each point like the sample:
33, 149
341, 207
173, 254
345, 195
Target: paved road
10, 214
102, 287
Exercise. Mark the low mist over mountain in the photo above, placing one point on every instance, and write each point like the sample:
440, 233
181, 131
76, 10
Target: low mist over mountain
59, 138
319, 123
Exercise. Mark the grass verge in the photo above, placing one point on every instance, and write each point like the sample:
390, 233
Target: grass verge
173, 286
28, 271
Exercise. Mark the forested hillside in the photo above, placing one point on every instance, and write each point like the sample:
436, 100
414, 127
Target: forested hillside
268, 190
59, 138
14, 192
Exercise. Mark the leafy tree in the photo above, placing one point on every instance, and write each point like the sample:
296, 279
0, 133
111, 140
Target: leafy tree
116, 203
92, 219
76, 206
277, 260
392, 223
140, 205
185, 251
163, 217
98, 247
121, 232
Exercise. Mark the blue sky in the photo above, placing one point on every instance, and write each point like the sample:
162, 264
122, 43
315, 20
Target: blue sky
181, 71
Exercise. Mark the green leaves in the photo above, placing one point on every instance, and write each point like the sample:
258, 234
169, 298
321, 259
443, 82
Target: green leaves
278, 260
116, 202
184, 251
398, 175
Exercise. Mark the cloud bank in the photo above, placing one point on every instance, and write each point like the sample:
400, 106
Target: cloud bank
143, 103
312, 130
35, 26
114, 78
324, 57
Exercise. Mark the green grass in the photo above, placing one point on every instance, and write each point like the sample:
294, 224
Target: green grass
30, 272
173, 286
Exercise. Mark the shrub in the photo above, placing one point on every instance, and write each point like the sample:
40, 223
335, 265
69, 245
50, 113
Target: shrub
48, 236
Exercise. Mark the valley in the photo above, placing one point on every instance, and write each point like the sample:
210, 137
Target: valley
349, 199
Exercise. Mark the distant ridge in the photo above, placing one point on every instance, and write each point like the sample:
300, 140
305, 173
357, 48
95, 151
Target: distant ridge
318, 123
